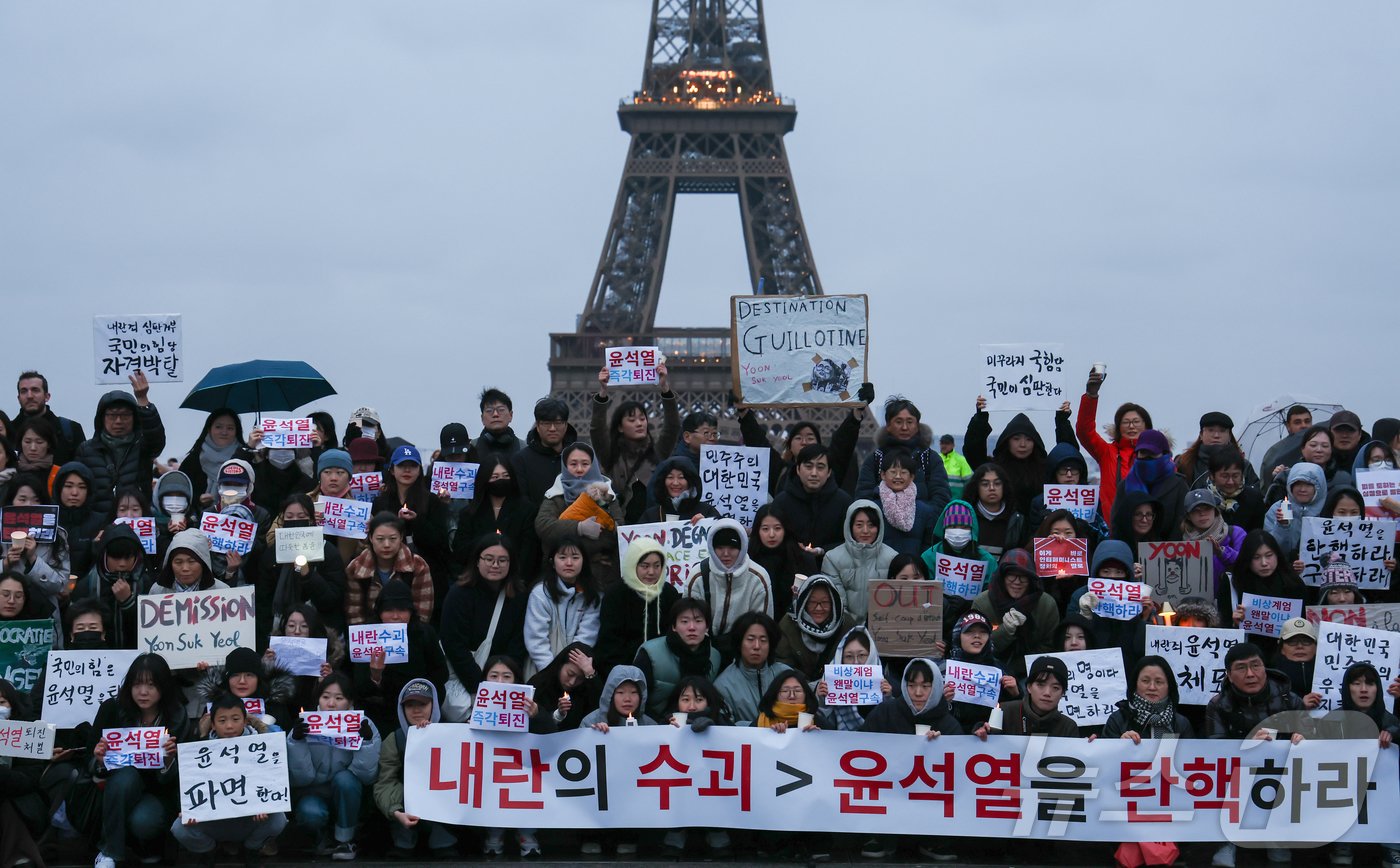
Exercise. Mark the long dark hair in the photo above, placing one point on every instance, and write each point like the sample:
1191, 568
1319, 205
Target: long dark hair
34, 482
209, 423
418, 493
341, 680
714, 703
585, 584
1284, 577
514, 582
481, 498
616, 441
142, 497
901, 561
516, 670
154, 667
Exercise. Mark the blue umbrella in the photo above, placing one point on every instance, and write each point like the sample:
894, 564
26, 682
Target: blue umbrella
258, 386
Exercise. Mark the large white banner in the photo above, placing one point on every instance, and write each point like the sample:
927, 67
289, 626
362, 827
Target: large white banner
196, 626
234, 777
1007, 786
799, 350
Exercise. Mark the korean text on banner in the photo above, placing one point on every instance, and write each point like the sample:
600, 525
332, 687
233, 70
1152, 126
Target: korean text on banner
973, 683
123, 345
850, 684
343, 518
1118, 599
24, 651
632, 366
1341, 645
1176, 570
39, 523
501, 706
734, 480
1367, 544
1196, 655
77, 682
1265, 616
1056, 557
335, 728
234, 777
1023, 376
286, 433
26, 739
800, 350
961, 577
145, 528
455, 478
1097, 683
905, 616
141, 747
294, 542
365, 486
1082, 501
299, 655
228, 534
685, 545
366, 639
1375, 486
196, 626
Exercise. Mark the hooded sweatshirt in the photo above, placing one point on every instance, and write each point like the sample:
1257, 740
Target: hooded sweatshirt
733, 591
119, 462
1026, 473
81, 522
1290, 534
972, 551
850, 718
388, 786
633, 612
615, 680
898, 716
805, 645
856, 564
1067, 454
193, 541
97, 585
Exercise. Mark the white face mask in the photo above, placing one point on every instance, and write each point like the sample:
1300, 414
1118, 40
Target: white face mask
1382, 464
281, 458
957, 537
173, 503
4, 712
368, 429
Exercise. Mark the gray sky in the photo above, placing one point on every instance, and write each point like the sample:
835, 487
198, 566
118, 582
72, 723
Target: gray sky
412, 195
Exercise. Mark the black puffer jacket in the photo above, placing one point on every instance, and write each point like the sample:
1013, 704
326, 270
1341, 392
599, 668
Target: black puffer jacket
127, 464
537, 466
931, 479
1026, 474
1231, 714
814, 518
662, 503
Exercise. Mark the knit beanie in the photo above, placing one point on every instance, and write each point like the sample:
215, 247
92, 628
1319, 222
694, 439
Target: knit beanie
242, 660
332, 458
1054, 666
1152, 440
957, 515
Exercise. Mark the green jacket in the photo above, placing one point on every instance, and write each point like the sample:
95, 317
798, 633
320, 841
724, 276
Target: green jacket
665, 673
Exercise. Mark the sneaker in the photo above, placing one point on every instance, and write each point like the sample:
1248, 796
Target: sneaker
1340, 855
626, 848
1280, 855
591, 848
874, 849
1224, 857
494, 844
529, 844
344, 852
104, 861
325, 845
929, 852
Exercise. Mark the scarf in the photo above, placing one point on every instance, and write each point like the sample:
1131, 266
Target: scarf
693, 661
1216, 533
1159, 718
575, 485
784, 712
1228, 502
211, 459
899, 506
1146, 474
40, 467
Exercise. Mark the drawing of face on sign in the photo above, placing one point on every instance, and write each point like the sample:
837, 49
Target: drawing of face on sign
831, 376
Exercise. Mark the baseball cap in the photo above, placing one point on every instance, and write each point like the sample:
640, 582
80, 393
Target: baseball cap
405, 453
454, 439
364, 414
1344, 419
1298, 627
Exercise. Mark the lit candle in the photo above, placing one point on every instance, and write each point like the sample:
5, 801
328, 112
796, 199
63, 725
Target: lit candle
565, 697
1168, 612
301, 562
631, 721
994, 722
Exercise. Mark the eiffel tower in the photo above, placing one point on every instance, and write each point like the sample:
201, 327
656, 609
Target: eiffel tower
706, 120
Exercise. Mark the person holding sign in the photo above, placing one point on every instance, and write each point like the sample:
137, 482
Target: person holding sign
627, 448
243, 676
1023, 617
1020, 451
281, 587
305, 622
1205, 521
1039, 713
23, 809
44, 564
128, 438
857, 649
375, 681
580, 507
1114, 456
417, 706
903, 428
220, 441
972, 643
328, 782
497, 507
957, 532
1262, 570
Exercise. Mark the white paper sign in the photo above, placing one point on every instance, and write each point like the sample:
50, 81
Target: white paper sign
145, 528
973, 683
852, 684
632, 366
196, 627
1082, 501
234, 777
1097, 683
1196, 655
502, 706
26, 739
365, 486
961, 577
1023, 376
77, 682
1341, 645
392, 639
1118, 599
685, 545
140, 747
122, 345
1265, 616
457, 478
1367, 544
286, 433
1375, 485
308, 542
734, 479
804, 350
228, 534
344, 518
1381, 616
335, 728
299, 655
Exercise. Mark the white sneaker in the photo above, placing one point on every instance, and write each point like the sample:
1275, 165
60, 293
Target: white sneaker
104, 861
1224, 857
627, 848
591, 848
529, 844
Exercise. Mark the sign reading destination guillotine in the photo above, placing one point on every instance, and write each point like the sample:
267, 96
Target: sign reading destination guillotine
806, 350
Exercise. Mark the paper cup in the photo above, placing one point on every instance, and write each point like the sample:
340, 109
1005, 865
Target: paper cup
228, 498
1273, 733
680, 717
19, 536
1100, 368
922, 729
177, 517
804, 720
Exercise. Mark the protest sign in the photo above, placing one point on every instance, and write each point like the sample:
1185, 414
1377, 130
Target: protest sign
1375, 485
905, 616
1380, 616
335, 728
808, 350
455, 478
286, 433
852, 684
1341, 645
39, 523
77, 682
366, 639
24, 649
1082, 501
299, 655
1118, 599
343, 518
145, 528
973, 683
869, 783
1196, 655
1367, 543
961, 577
227, 533
1175, 570
734, 479
1057, 557
1098, 681
1023, 376
502, 706
1265, 616
685, 545
234, 777
26, 739
140, 747
365, 487
196, 627
632, 366
152, 344
294, 542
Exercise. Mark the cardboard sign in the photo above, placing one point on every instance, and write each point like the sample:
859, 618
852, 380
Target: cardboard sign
1196, 655
1023, 376
1265, 616
1375, 485
964, 578
77, 682
365, 487
973, 683
852, 684
734, 479
632, 366
905, 616
685, 545
1082, 501
808, 350
152, 344
337, 516
306, 542
366, 639
286, 433
456, 478
196, 627
1118, 599
140, 747
145, 528
24, 651
227, 533
500, 706
225, 778
1176, 570
1367, 544
1341, 645
1058, 558
1098, 681
26, 739
39, 523
336, 728
1380, 616
299, 655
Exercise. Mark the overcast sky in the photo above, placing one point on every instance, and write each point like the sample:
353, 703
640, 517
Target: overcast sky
410, 196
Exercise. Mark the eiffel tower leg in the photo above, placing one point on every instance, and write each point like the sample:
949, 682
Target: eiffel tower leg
626, 285
773, 229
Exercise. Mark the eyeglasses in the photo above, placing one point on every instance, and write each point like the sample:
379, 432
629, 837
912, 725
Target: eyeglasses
818, 604
552, 426
1255, 665
495, 410
498, 561
119, 414
790, 691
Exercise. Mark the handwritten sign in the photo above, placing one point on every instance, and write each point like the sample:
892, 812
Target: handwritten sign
145, 528
1176, 570
502, 706
632, 366
336, 728
1118, 599
366, 639
39, 523
294, 542
1341, 645
26, 739
77, 682
196, 626
1082, 501
799, 350
456, 478
1058, 558
24, 649
286, 433
973, 683
234, 777
299, 655
961, 577
365, 487
734, 479
228, 533
852, 684
1376, 485
1098, 681
1367, 544
905, 616
685, 545
1196, 655
1265, 616
1023, 376
139, 747
123, 345
1381, 616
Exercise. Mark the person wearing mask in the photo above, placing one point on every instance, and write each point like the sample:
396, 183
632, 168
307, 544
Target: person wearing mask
496, 439
563, 608
46, 564
728, 582
33, 393
1375, 456
377, 682
954, 465
743, 683
1020, 451
387, 558
536, 466
1115, 455
904, 428
810, 504
172, 507
117, 576
1154, 473
219, 441
484, 613
862, 559
628, 449
1240, 503
957, 533
636, 610
683, 651
808, 635
280, 472
774, 549
675, 494
909, 522
1000, 527
1023, 617
972, 643
365, 424
497, 507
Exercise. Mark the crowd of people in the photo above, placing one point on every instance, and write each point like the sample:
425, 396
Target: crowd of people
523, 583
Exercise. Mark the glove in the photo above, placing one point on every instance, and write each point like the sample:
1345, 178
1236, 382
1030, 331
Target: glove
366, 731
700, 724
590, 528
299, 730
1011, 620
731, 399
866, 393
1087, 604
